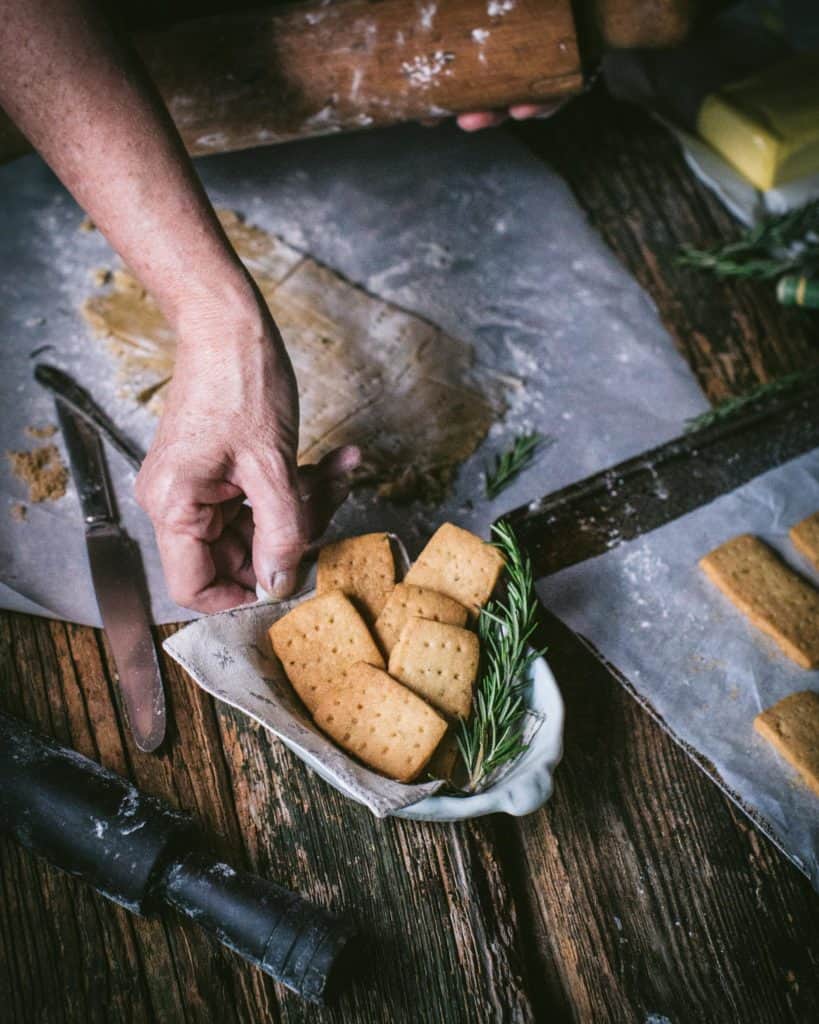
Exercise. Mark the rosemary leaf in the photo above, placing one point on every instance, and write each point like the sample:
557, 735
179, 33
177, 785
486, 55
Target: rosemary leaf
492, 735
511, 463
734, 405
778, 245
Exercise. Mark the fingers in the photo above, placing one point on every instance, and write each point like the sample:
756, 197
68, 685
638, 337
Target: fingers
232, 553
214, 549
523, 111
192, 574
334, 469
190, 504
325, 486
280, 520
479, 119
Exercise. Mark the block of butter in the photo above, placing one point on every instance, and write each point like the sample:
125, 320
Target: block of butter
767, 126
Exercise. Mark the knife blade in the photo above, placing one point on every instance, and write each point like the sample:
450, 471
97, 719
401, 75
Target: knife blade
116, 571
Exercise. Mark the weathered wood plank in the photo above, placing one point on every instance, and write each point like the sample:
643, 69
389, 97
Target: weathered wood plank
57, 678
438, 923
649, 892
439, 935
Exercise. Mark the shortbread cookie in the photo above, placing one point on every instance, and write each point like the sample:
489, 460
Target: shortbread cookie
805, 538
792, 726
381, 722
438, 662
457, 563
406, 602
774, 598
363, 568
317, 641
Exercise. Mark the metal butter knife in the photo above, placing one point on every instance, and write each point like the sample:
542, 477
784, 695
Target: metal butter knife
116, 570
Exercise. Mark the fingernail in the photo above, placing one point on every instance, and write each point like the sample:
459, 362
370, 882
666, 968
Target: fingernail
352, 458
282, 584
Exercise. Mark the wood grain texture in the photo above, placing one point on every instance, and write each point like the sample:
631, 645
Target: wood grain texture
262, 75
638, 890
629, 175
645, 887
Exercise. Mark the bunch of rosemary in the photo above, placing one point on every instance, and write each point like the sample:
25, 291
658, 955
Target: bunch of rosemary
785, 244
511, 463
493, 735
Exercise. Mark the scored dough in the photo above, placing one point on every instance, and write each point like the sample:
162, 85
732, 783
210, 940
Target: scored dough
369, 373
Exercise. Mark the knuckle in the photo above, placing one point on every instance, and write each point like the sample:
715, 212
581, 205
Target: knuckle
152, 489
182, 594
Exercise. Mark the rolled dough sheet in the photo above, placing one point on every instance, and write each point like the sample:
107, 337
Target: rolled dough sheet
369, 373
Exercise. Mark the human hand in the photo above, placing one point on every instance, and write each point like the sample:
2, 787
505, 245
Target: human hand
476, 120
230, 432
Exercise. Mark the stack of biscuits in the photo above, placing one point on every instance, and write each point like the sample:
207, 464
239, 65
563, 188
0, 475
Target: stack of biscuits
387, 668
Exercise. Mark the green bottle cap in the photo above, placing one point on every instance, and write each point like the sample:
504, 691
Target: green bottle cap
797, 290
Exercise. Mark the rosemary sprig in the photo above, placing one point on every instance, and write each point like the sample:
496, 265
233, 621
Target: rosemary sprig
492, 735
734, 405
776, 246
512, 462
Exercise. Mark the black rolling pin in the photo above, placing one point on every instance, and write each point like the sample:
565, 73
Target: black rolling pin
142, 854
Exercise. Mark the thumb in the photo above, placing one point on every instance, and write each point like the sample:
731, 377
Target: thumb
280, 527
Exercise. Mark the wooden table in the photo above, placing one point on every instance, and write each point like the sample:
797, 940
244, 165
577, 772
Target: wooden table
638, 893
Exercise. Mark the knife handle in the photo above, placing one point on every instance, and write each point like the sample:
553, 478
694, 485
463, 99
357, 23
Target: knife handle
79, 400
87, 467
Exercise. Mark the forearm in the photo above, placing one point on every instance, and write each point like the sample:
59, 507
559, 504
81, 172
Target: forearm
82, 98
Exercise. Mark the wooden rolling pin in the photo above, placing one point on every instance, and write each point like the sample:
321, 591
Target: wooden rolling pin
238, 80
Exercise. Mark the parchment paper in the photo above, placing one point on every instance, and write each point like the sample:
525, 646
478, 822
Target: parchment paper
693, 657
472, 232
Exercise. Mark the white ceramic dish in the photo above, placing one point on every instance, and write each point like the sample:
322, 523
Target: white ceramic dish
528, 783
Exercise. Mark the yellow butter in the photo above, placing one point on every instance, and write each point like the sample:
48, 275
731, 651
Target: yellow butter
767, 126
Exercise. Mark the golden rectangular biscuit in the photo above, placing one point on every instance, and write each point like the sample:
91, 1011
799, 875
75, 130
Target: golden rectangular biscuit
774, 598
457, 563
381, 722
805, 538
792, 726
317, 641
362, 567
438, 662
407, 601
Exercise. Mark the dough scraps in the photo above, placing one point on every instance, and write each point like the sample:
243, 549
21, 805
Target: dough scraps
369, 373
43, 470
41, 433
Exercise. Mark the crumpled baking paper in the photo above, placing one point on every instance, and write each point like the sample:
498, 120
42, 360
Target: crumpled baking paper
229, 656
693, 658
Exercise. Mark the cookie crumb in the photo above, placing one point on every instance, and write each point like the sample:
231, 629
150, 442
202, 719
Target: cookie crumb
86, 224
40, 433
43, 470
19, 512
101, 276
